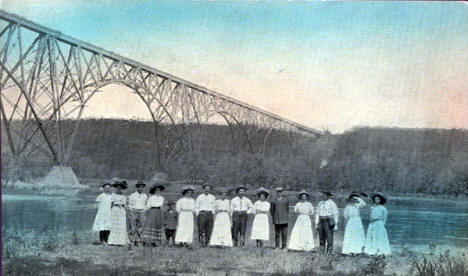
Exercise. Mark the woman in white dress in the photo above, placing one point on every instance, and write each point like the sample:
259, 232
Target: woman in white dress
118, 234
354, 239
185, 207
377, 240
222, 235
260, 225
102, 222
302, 238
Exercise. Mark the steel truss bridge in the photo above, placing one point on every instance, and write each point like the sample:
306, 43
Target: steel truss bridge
47, 77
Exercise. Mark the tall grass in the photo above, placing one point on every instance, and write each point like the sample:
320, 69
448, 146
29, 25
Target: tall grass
440, 265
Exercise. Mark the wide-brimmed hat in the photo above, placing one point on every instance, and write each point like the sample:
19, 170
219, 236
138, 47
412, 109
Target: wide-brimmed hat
279, 189
263, 191
383, 198
122, 184
303, 192
140, 183
206, 184
326, 193
354, 194
361, 193
114, 180
240, 187
106, 183
187, 188
155, 186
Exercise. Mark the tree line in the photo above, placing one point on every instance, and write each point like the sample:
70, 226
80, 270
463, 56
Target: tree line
430, 161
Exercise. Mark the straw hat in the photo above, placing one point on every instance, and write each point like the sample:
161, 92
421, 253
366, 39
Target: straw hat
240, 187
279, 189
155, 186
326, 193
187, 188
263, 191
303, 192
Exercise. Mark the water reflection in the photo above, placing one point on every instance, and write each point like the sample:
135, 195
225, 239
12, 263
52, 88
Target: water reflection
408, 224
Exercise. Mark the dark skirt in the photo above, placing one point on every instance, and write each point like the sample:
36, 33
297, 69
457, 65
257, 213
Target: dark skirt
152, 232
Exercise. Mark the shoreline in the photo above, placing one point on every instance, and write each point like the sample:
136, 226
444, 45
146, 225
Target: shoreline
91, 191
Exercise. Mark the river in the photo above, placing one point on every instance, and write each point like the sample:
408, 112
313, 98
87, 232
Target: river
414, 223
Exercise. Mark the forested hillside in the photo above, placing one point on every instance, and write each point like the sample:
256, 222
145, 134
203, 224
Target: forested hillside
399, 160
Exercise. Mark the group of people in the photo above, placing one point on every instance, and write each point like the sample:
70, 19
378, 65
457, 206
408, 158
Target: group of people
141, 220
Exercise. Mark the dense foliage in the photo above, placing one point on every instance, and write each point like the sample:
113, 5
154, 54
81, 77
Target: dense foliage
388, 159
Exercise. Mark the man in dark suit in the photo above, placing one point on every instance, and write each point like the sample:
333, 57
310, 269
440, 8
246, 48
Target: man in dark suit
280, 214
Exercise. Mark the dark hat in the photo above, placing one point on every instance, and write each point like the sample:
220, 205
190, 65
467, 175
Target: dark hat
383, 198
361, 193
122, 184
206, 184
155, 186
303, 192
106, 183
240, 187
326, 193
114, 180
263, 191
353, 194
140, 183
171, 202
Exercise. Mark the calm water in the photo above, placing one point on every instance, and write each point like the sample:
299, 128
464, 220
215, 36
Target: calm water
410, 222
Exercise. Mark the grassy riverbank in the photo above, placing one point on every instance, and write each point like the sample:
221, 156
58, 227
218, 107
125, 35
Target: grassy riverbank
76, 254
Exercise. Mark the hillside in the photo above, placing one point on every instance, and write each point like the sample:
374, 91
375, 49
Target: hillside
432, 161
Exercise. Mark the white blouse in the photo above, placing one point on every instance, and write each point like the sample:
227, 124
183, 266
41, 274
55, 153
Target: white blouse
352, 210
154, 201
304, 208
260, 207
185, 205
378, 212
120, 200
223, 205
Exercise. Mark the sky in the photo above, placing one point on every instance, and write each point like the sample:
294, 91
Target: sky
328, 65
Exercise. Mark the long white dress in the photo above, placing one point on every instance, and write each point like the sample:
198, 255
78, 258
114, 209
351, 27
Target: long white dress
185, 207
222, 225
377, 240
302, 237
260, 225
118, 234
103, 221
354, 239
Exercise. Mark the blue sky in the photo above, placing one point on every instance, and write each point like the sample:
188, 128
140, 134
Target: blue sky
325, 64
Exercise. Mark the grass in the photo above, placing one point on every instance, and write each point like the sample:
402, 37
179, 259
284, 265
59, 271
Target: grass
73, 253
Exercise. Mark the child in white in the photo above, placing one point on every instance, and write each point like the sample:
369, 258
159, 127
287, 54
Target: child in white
102, 222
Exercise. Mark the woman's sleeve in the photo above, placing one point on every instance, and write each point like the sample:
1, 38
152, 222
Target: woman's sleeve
346, 213
296, 209
252, 209
178, 206
311, 210
361, 202
98, 198
384, 215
